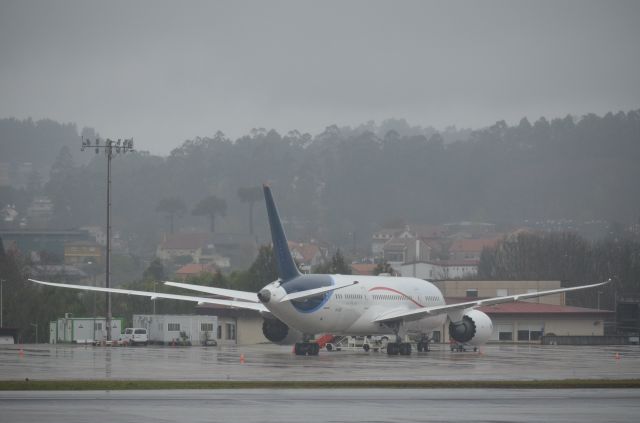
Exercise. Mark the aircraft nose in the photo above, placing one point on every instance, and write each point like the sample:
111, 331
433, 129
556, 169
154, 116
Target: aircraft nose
264, 296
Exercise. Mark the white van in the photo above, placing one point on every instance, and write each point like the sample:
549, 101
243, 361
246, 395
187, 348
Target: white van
135, 336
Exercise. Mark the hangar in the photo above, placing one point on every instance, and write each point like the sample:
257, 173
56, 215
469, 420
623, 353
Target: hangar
525, 321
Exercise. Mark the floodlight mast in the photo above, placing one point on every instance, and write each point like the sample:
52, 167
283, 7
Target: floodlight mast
109, 147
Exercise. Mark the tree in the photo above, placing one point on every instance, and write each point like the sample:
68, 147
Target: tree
250, 195
155, 271
337, 266
211, 207
173, 207
383, 267
263, 270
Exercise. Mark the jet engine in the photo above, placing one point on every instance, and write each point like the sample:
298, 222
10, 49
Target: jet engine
279, 333
475, 328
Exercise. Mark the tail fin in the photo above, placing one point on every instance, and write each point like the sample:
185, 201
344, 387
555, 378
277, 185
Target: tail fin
287, 268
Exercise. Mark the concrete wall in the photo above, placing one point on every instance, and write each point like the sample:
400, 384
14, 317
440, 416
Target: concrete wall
250, 330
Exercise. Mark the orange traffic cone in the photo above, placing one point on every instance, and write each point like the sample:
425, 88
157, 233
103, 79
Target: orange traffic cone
617, 356
241, 358
21, 351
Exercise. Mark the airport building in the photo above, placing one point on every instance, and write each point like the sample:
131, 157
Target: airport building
83, 329
525, 321
180, 329
235, 326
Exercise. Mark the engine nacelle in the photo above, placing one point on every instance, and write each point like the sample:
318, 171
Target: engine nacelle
475, 328
279, 333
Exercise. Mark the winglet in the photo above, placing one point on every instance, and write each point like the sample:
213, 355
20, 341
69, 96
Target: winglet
287, 268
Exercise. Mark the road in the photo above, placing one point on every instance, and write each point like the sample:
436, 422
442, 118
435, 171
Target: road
272, 362
342, 405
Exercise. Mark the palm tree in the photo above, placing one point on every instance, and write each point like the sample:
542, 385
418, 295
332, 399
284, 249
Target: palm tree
250, 195
173, 207
211, 207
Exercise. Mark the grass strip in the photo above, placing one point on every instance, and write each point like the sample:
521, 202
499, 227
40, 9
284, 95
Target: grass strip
109, 385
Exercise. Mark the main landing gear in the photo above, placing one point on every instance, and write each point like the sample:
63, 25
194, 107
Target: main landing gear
402, 348
423, 344
306, 347
398, 347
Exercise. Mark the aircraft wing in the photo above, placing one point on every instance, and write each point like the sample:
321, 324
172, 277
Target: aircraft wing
229, 293
153, 295
419, 313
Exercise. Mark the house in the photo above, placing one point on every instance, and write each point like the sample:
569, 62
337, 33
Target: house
307, 255
436, 270
365, 269
81, 252
235, 248
470, 229
378, 239
9, 215
40, 211
97, 233
183, 244
470, 249
426, 233
195, 269
401, 249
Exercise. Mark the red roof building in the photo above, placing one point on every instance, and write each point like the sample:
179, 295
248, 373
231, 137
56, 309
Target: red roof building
527, 322
194, 269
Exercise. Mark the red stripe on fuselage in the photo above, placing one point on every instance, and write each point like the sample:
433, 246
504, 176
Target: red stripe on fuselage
383, 288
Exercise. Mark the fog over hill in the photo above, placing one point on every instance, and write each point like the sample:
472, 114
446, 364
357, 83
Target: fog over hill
346, 180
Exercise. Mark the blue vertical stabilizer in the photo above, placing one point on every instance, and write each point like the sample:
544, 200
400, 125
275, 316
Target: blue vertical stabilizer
287, 268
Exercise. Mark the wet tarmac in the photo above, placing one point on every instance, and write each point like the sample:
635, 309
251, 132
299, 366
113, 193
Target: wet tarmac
273, 362
310, 405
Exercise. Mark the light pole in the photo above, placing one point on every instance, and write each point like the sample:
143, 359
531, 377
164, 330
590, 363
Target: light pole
154, 298
36, 326
599, 293
110, 147
1, 304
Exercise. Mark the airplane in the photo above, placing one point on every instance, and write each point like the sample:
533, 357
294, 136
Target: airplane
351, 305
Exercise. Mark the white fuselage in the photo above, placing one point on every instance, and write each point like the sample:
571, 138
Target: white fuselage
353, 310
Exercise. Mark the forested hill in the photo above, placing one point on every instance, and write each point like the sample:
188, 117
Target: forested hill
37, 142
341, 181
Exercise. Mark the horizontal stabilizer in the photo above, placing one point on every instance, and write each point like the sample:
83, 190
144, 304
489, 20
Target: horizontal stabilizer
229, 293
314, 292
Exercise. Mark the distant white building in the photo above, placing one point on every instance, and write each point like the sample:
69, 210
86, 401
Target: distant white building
166, 329
437, 270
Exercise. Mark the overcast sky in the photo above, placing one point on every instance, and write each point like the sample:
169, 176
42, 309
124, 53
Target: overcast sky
163, 72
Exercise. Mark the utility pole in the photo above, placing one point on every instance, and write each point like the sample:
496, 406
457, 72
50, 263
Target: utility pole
1, 304
110, 147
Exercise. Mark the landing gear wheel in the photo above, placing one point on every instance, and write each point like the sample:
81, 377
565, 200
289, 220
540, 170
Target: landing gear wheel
306, 348
366, 347
393, 348
329, 347
405, 348
420, 347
